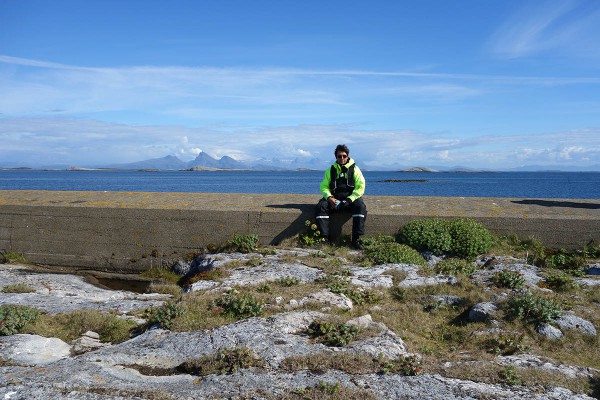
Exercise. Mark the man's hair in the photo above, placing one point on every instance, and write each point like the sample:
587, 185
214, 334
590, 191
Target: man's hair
341, 147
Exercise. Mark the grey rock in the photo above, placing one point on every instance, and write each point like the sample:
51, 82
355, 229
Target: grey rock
89, 341
447, 300
97, 381
531, 273
548, 331
328, 298
59, 293
268, 271
482, 312
535, 362
415, 281
569, 321
33, 349
182, 268
431, 258
587, 281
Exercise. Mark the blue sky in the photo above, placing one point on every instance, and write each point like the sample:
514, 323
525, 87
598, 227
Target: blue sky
483, 84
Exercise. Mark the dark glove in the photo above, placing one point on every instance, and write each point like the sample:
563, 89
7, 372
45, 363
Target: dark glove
345, 204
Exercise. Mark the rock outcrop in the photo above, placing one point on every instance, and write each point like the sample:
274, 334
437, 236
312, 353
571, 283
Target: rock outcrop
148, 366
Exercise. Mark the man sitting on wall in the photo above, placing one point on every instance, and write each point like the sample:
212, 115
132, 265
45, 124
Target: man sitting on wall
343, 187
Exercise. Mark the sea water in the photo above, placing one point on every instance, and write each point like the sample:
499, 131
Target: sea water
568, 185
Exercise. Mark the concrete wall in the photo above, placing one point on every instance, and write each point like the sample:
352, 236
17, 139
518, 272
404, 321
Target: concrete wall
131, 231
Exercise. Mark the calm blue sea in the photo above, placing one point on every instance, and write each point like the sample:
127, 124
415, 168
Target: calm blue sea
569, 185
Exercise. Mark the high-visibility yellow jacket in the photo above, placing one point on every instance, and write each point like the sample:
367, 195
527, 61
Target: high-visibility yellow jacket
328, 183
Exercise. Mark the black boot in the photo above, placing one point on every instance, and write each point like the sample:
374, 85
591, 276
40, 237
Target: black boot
356, 244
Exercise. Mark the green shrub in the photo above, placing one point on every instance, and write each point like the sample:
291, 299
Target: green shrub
591, 250
570, 262
561, 282
13, 318
244, 243
427, 234
407, 365
398, 293
311, 236
368, 241
507, 344
469, 238
332, 334
465, 238
533, 307
165, 314
509, 376
240, 306
509, 279
391, 252
288, 281
454, 266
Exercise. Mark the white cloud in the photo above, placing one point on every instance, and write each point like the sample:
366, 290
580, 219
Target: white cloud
84, 142
550, 25
444, 155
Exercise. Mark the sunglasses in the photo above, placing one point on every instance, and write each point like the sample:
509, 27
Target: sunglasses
342, 156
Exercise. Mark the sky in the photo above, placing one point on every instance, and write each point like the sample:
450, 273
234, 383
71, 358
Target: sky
494, 84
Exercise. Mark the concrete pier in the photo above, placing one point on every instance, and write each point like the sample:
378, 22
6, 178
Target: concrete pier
131, 231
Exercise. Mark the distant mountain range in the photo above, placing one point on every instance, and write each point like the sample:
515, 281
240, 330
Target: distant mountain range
206, 162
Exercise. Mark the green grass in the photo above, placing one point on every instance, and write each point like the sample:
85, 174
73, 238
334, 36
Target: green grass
17, 288
70, 326
13, 257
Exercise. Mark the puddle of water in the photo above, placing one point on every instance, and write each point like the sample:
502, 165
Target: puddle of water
130, 285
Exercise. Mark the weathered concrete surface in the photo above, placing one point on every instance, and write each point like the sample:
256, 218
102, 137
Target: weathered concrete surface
131, 231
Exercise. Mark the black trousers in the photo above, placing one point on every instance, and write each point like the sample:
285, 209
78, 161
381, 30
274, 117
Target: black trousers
359, 215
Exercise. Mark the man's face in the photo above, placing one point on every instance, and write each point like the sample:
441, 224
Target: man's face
342, 157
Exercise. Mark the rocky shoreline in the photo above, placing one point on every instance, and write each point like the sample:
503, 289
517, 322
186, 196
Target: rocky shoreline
148, 366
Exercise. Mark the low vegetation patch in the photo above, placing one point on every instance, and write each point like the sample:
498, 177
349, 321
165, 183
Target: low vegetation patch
164, 275
311, 235
507, 344
13, 257
455, 266
509, 279
288, 281
383, 250
463, 237
560, 282
17, 288
165, 314
352, 363
534, 307
243, 243
332, 334
239, 306
70, 326
328, 391
226, 361
13, 318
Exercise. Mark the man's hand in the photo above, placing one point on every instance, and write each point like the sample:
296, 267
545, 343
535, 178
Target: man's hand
332, 201
345, 204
